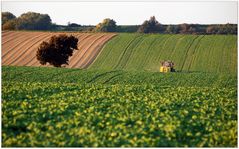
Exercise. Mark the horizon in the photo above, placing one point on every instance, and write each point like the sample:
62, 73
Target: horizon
92, 13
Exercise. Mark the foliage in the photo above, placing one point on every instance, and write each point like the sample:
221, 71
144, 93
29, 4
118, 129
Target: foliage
10, 25
43, 74
107, 25
191, 53
69, 24
83, 108
127, 28
57, 51
186, 29
222, 29
37, 21
33, 21
7, 16
172, 29
150, 26
57, 114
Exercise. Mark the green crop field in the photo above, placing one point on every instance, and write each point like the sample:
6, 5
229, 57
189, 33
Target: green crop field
122, 100
72, 108
190, 53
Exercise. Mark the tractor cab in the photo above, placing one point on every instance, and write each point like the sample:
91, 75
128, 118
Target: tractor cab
167, 66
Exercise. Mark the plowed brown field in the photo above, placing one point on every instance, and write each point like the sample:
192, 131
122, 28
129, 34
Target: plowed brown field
19, 48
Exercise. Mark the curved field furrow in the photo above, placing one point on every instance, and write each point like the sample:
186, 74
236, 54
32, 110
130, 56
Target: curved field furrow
94, 51
17, 53
128, 57
187, 51
147, 55
88, 51
19, 48
6, 33
114, 54
33, 61
30, 51
128, 48
201, 53
16, 50
191, 58
83, 49
83, 41
9, 37
15, 42
153, 62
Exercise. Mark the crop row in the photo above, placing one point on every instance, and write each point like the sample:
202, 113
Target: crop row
70, 114
204, 53
64, 75
19, 48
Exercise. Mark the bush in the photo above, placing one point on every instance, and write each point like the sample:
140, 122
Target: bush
151, 26
7, 16
108, 25
57, 51
9, 25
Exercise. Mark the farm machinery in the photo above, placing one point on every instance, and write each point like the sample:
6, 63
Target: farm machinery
167, 66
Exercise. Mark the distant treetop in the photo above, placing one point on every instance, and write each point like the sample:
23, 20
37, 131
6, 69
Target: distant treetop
107, 25
7, 16
37, 21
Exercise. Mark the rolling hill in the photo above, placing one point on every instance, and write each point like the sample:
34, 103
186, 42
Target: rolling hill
142, 52
19, 48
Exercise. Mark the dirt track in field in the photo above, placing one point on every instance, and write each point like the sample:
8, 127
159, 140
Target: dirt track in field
19, 48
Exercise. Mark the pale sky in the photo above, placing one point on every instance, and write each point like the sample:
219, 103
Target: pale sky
130, 13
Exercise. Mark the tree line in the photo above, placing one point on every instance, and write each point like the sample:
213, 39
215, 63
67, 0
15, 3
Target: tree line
37, 21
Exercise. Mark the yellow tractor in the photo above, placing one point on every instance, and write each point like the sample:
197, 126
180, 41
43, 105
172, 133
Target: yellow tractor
167, 66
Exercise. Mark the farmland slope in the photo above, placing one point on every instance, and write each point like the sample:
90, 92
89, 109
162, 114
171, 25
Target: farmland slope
138, 52
52, 107
19, 48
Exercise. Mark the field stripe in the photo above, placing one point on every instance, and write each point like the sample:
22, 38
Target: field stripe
125, 50
7, 33
15, 42
19, 48
23, 54
88, 51
147, 55
33, 61
10, 37
92, 55
100, 76
86, 38
155, 59
84, 49
194, 55
190, 52
105, 53
131, 51
186, 54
